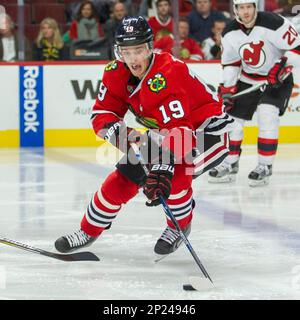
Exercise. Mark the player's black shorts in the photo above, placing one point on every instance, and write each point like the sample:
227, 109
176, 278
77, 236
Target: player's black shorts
245, 107
211, 150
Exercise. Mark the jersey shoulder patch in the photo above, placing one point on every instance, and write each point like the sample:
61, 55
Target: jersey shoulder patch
232, 26
112, 65
269, 20
112, 71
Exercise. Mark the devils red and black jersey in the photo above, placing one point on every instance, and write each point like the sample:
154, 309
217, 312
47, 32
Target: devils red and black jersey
169, 96
256, 50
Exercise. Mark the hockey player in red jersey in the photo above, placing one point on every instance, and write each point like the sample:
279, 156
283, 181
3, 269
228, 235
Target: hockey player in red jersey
162, 22
257, 47
172, 102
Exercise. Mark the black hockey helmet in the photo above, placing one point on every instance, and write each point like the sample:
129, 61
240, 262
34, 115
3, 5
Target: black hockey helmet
133, 31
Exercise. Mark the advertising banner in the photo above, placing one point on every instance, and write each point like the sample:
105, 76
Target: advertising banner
53, 103
70, 92
31, 106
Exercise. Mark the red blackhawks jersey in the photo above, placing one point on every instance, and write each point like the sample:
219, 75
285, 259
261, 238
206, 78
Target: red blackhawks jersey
169, 96
256, 50
160, 28
189, 48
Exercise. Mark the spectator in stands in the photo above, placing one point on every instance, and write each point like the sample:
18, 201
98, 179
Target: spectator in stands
201, 20
146, 8
101, 6
271, 5
211, 47
118, 13
185, 7
9, 50
162, 23
86, 25
49, 45
130, 9
189, 49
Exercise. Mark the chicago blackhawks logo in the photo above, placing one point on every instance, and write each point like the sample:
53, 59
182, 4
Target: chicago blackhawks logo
111, 66
157, 83
253, 54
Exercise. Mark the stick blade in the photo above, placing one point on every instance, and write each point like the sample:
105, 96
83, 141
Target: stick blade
201, 284
79, 256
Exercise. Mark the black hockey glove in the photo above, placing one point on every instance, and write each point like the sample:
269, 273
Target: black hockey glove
119, 135
159, 181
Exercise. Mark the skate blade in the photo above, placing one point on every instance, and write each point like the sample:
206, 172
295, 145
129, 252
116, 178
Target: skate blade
259, 183
225, 179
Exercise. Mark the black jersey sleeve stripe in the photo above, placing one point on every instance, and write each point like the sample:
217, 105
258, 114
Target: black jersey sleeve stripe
269, 20
233, 64
231, 26
296, 50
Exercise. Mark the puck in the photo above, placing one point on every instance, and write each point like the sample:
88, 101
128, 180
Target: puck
188, 287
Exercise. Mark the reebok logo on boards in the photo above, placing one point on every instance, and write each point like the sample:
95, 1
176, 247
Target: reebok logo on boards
30, 101
31, 106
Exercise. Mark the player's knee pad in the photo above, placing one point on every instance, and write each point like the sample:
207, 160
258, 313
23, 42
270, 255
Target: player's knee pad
118, 189
238, 133
267, 117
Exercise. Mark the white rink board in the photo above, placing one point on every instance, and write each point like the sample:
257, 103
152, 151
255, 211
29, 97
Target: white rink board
64, 110
9, 97
74, 113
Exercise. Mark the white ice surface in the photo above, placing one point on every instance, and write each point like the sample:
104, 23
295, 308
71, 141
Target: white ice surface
248, 239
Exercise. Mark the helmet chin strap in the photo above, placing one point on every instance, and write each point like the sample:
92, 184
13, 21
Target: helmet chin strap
247, 25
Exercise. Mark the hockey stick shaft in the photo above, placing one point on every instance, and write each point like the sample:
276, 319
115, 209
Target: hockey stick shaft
249, 90
170, 214
186, 241
261, 85
81, 256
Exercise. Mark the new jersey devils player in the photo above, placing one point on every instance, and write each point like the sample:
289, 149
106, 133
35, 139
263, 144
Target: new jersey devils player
164, 95
257, 46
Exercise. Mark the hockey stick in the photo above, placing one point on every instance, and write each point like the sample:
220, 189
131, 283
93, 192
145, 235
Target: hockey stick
262, 86
197, 282
255, 87
169, 213
80, 256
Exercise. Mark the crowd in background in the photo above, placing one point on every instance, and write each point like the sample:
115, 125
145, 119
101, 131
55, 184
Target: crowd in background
89, 28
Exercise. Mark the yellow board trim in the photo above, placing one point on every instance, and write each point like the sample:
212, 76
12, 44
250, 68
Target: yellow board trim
87, 138
71, 138
9, 139
287, 134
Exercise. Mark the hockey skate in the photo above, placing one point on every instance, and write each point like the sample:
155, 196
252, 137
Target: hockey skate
169, 242
260, 175
223, 173
74, 241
